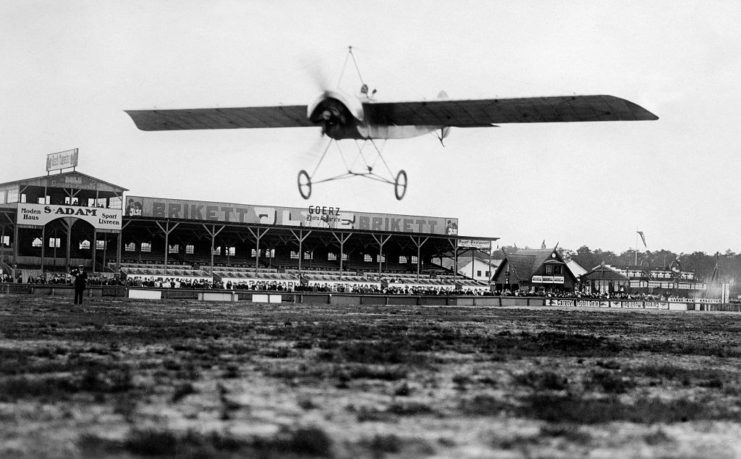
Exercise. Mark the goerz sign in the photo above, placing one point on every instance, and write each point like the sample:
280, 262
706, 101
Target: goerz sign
41, 214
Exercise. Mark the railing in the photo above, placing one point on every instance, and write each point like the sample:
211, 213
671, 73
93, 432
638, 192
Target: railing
449, 299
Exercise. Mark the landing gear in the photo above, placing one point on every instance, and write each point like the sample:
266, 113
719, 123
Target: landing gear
400, 185
304, 184
367, 170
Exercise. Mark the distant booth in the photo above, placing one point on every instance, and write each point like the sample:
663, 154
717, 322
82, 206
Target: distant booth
52, 222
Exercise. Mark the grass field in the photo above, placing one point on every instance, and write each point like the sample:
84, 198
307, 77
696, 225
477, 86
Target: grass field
123, 378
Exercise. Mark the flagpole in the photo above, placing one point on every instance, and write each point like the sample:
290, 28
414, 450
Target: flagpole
635, 260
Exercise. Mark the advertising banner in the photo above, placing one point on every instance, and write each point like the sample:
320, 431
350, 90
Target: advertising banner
61, 160
474, 244
560, 302
332, 217
547, 279
41, 214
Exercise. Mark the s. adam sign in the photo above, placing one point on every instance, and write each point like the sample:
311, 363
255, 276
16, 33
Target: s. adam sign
41, 214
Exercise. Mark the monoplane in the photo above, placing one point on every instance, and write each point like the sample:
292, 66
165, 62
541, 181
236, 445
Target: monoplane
362, 118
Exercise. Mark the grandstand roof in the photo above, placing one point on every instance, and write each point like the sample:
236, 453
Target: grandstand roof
71, 179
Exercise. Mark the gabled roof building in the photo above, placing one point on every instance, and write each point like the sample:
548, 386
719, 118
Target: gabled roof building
534, 270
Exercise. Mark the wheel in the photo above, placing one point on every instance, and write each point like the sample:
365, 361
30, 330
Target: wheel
400, 185
304, 184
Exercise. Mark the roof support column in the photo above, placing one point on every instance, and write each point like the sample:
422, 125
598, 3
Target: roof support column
167, 230
213, 232
15, 247
258, 234
119, 243
381, 241
300, 237
67, 222
418, 242
43, 236
341, 239
454, 245
94, 246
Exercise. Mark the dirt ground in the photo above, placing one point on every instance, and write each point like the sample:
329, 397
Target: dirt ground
123, 378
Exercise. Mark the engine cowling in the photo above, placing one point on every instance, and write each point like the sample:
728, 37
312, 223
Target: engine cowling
338, 114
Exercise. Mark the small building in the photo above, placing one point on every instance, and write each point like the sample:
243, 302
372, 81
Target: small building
535, 271
477, 265
605, 279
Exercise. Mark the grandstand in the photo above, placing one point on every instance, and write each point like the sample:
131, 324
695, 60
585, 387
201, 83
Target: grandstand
53, 222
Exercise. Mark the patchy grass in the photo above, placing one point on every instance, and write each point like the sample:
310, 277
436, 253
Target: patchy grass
581, 410
609, 382
544, 382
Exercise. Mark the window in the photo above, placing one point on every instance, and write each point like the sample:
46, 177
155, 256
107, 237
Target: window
308, 255
414, 259
381, 258
294, 255
115, 202
402, 260
173, 248
146, 247
253, 253
270, 253
23, 197
231, 251
55, 242
331, 256
190, 249
5, 241
84, 245
100, 245
71, 201
216, 251
548, 270
344, 257
368, 258
478, 273
37, 242
130, 247
12, 196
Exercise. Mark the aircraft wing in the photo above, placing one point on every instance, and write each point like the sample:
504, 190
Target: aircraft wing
221, 118
486, 112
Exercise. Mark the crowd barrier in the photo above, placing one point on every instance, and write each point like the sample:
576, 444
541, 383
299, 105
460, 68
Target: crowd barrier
699, 305
355, 299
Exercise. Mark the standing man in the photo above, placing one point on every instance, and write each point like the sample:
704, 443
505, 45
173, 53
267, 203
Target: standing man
80, 280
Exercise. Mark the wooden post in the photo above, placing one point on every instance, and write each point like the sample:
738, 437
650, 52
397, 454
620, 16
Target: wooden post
341, 239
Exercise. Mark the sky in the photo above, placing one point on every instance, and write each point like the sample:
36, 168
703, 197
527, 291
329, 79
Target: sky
70, 69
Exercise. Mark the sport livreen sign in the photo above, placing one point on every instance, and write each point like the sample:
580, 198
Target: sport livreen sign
41, 214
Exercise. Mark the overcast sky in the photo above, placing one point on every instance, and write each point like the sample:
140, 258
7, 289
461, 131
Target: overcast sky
70, 69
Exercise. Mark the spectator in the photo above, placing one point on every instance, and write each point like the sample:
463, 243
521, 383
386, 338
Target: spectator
80, 280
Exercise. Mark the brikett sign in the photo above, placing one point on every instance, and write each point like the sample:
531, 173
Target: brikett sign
41, 214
